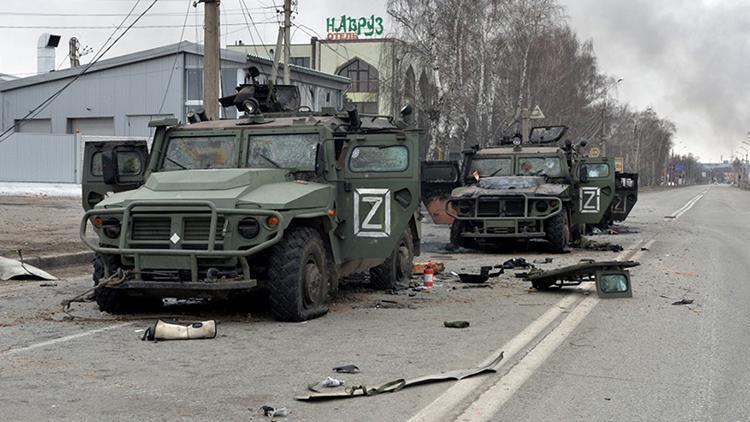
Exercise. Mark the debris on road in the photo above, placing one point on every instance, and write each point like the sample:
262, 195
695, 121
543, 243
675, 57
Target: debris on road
165, 331
516, 263
11, 269
47, 284
591, 245
483, 276
477, 286
274, 412
436, 266
329, 382
392, 304
400, 384
347, 369
684, 302
456, 324
611, 278
547, 260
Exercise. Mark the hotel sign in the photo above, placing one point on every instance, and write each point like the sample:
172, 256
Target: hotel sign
351, 28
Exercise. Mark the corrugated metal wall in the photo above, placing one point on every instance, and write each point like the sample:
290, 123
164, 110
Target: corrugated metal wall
39, 157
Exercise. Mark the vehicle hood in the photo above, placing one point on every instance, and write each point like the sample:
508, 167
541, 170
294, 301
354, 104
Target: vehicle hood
511, 185
228, 188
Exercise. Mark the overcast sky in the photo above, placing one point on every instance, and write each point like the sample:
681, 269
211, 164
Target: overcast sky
688, 59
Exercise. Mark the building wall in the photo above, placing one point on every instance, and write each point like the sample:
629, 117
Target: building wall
135, 89
330, 56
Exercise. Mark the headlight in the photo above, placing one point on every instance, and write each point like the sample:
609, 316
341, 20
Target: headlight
540, 206
111, 227
248, 227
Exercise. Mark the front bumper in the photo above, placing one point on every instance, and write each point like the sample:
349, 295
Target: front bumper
178, 258
517, 222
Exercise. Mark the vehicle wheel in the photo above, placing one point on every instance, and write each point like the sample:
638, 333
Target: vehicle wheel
457, 240
539, 285
395, 272
558, 231
298, 276
116, 301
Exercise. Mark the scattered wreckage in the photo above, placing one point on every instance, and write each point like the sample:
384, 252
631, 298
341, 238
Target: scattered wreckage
284, 199
536, 190
611, 277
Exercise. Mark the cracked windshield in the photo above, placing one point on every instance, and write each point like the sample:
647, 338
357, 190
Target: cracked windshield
381, 210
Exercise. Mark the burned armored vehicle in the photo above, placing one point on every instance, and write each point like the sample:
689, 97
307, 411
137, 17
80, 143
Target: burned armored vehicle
536, 190
280, 200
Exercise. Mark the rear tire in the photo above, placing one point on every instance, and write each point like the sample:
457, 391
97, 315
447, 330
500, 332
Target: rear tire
558, 231
395, 271
299, 276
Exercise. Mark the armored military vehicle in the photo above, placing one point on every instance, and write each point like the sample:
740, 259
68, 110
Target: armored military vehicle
282, 200
531, 191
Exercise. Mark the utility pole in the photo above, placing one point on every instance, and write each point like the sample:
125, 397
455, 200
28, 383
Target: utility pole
73, 52
211, 28
287, 36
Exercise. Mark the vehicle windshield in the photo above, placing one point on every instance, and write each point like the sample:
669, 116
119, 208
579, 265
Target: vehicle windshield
201, 152
295, 151
492, 166
539, 166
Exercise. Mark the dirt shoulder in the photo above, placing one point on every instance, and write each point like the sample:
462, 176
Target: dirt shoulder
39, 225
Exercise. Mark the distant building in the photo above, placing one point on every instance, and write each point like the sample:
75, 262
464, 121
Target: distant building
4, 77
119, 96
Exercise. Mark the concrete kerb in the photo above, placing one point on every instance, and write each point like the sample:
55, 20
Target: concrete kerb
59, 260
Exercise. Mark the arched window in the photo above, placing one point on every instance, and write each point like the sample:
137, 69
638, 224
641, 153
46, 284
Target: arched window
364, 76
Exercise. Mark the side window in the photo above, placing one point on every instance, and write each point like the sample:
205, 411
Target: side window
379, 159
128, 163
596, 171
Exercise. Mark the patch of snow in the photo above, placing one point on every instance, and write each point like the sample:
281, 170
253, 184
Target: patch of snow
72, 190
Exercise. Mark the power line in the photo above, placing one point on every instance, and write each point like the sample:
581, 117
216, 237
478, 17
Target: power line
110, 27
177, 56
255, 26
155, 14
102, 51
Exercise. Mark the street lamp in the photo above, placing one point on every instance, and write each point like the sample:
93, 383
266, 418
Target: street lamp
604, 114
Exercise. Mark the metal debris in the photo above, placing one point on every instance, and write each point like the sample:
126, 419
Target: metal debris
11, 269
684, 302
347, 369
483, 276
400, 384
274, 412
456, 324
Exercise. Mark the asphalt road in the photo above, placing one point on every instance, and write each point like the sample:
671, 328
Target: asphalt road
569, 356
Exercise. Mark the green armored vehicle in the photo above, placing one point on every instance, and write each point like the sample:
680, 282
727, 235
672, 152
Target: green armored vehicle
532, 191
288, 202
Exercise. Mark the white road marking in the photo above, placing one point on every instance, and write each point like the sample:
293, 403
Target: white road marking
685, 208
461, 390
63, 339
485, 407
449, 401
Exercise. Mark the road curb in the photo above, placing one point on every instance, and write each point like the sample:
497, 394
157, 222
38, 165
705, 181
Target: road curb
60, 260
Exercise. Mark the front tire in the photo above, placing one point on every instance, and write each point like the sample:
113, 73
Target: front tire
113, 300
558, 231
459, 241
395, 271
298, 276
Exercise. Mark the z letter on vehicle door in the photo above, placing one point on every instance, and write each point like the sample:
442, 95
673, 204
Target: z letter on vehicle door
372, 212
590, 200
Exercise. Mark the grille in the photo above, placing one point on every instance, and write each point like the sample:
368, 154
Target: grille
151, 228
198, 228
497, 207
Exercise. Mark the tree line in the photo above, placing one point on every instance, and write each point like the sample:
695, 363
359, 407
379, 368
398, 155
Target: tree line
482, 61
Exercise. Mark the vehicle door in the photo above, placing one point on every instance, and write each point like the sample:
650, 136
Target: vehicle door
595, 190
439, 178
110, 167
379, 194
626, 195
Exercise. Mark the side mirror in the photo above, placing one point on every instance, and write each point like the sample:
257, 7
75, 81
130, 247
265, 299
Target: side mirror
583, 174
613, 284
109, 166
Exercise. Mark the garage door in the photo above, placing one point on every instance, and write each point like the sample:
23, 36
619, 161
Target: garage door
97, 126
34, 126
